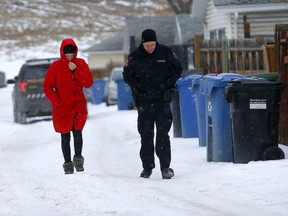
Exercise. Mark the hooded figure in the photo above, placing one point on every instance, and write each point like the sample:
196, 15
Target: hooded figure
63, 86
64, 89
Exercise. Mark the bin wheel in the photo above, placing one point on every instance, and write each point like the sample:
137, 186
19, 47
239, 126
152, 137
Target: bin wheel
273, 153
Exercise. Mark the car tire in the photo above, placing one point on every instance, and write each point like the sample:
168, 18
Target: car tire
107, 101
19, 117
15, 114
22, 118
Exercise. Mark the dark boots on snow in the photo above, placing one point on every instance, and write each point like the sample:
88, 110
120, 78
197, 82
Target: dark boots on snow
167, 173
68, 167
78, 163
146, 173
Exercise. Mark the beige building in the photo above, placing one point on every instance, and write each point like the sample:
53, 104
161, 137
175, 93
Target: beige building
102, 57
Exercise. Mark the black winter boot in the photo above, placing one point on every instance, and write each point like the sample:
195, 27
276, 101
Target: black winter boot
146, 173
68, 167
167, 173
78, 163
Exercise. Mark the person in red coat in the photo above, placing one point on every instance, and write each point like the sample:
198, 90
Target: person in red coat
63, 86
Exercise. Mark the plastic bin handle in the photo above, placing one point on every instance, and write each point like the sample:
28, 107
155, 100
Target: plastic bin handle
228, 93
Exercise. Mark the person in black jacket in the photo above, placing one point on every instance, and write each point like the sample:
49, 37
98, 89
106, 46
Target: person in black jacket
151, 72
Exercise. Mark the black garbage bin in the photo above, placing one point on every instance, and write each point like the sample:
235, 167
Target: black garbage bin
175, 109
254, 111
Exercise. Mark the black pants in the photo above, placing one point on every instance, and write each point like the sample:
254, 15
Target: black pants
65, 144
152, 113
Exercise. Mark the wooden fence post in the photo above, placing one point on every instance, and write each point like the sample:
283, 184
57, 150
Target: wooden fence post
197, 51
224, 56
281, 43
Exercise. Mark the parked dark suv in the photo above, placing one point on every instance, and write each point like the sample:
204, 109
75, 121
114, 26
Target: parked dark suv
28, 97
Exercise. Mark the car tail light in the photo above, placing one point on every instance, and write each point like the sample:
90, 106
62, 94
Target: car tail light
23, 86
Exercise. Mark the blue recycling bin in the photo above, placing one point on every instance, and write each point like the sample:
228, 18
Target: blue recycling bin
124, 95
187, 99
98, 91
200, 110
218, 125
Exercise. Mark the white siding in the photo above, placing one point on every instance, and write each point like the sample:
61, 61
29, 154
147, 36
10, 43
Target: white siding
261, 23
215, 20
100, 61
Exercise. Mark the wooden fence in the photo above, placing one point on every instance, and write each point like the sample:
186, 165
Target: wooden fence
244, 56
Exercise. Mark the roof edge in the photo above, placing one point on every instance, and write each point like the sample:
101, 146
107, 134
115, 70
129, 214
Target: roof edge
252, 7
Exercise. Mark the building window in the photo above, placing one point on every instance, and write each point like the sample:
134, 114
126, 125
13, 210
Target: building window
221, 33
213, 35
217, 34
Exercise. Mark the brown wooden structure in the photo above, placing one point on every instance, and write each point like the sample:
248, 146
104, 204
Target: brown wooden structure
281, 55
243, 56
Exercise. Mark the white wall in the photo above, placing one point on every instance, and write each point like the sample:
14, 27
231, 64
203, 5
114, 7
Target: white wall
98, 61
261, 23
215, 20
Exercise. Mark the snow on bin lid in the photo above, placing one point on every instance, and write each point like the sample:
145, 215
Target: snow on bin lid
217, 80
223, 77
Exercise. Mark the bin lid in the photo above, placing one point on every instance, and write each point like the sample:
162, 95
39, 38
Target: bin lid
246, 85
249, 81
271, 76
188, 79
196, 82
99, 80
219, 80
188, 72
120, 80
255, 82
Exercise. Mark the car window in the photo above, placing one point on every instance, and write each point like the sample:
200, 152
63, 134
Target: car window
34, 72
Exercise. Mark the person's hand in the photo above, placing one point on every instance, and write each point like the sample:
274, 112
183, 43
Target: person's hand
72, 66
168, 94
135, 91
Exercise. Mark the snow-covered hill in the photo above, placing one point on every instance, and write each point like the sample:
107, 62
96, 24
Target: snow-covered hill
27, 24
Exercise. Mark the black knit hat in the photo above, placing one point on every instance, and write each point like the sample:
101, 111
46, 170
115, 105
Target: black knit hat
148, 35
69, 49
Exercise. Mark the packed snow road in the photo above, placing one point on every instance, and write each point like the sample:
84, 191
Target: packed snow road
32, 181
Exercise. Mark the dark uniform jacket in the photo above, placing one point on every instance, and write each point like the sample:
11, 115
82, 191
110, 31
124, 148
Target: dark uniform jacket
152, 76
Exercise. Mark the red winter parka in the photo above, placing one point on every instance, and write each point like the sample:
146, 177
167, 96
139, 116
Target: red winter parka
64, 89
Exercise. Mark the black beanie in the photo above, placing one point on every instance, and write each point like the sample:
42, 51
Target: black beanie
148, 35
69, 49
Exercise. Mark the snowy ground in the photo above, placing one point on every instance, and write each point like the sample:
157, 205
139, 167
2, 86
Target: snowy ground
32, 180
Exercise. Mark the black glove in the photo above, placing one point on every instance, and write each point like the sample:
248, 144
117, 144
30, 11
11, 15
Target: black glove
135, 96
134, 91
168, 94
135, 99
